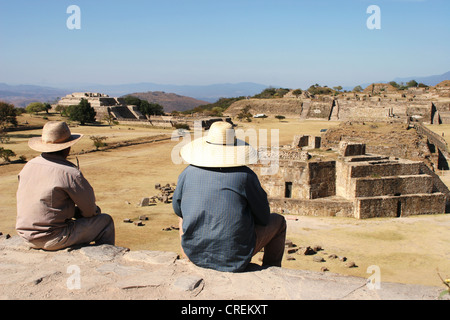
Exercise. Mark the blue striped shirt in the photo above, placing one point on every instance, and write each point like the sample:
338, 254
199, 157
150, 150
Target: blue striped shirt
220, 207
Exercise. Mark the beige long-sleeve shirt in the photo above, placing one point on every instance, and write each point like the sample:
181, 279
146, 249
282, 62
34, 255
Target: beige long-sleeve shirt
51, 189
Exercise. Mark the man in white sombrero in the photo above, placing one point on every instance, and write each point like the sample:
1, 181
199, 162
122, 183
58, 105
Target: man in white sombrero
56, 205
224, 213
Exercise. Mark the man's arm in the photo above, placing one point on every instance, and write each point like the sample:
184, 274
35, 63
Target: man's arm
82, 193
257, 200
177, 195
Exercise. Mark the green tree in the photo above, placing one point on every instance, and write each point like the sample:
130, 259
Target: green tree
59, 108
394, 84
145, 107
83, 112
357, 89
280, 117
35, 107
151, 109
412, 83
271, 93
7, 114
317, 89
297, 92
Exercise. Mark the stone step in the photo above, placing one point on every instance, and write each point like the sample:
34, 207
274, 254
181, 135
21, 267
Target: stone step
399, 206
391, 185
384, 168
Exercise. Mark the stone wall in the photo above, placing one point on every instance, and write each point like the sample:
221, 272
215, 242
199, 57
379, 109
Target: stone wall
285, 107
399, 206
299, 179
317, 207
320, 109
370, 187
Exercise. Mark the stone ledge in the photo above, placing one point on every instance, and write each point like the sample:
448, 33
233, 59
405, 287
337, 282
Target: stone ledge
110, 272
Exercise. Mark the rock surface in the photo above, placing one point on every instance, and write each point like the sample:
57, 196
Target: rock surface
110, 272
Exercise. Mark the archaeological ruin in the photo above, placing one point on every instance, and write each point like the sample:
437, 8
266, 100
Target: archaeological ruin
349, 182
129, 114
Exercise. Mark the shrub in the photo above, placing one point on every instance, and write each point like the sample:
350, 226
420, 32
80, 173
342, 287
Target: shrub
5, 154
98, 141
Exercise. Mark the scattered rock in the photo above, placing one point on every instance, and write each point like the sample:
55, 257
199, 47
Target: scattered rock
170, 228
343, 258
289, 244
306, 251
333, 256
144, 202
318, 259
351, 264
290, 257
317, 248
292, 250
127, 220
324, 269
143, 218
138, 223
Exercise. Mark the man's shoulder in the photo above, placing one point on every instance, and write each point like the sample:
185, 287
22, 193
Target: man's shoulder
58, 164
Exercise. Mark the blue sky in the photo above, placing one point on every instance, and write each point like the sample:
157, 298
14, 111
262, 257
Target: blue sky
290, 43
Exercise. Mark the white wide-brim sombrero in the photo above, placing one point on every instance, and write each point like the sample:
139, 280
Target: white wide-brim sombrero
56, 136
219, 149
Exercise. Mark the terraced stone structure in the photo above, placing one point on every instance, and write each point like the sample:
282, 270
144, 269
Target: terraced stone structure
353, 184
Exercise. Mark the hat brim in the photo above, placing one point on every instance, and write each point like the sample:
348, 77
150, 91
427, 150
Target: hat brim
204, 154
37, 144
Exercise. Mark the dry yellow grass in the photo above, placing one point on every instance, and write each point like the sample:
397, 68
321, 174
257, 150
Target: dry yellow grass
407, 250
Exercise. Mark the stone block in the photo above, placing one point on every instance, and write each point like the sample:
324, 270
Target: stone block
351, 149
144, 202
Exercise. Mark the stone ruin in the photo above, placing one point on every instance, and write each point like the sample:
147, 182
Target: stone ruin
352, 184
165, 195
378, 103
105, 105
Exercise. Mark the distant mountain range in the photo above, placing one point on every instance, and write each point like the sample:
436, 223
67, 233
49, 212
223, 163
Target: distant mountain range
430, 80
22, 95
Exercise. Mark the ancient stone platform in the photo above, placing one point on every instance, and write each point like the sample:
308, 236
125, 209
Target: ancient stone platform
111, 272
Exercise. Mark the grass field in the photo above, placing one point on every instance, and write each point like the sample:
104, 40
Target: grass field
407, 250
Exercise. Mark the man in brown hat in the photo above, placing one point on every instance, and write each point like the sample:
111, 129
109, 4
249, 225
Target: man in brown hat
56, 205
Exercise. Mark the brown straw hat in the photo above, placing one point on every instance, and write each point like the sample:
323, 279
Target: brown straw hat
219, 149
56, 136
